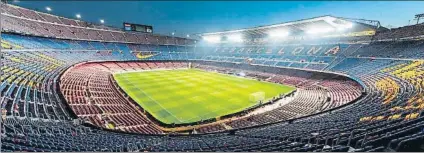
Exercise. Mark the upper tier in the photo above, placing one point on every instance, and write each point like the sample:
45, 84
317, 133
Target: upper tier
21, 20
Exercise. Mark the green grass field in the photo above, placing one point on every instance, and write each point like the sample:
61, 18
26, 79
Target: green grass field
186, 96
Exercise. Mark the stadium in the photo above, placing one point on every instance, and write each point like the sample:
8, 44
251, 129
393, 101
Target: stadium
326, 83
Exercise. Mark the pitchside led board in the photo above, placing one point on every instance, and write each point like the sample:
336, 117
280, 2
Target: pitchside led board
138, 27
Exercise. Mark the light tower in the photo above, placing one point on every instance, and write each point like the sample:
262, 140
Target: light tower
418, 17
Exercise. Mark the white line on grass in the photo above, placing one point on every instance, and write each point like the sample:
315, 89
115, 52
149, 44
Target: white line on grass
154, 100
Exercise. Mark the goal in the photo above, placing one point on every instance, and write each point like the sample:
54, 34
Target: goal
257, 96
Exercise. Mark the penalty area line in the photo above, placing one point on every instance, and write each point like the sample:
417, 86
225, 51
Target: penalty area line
154, 100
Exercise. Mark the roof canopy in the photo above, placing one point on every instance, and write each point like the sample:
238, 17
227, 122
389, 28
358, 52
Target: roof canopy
320, 24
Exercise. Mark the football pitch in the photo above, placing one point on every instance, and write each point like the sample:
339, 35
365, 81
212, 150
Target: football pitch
191, 95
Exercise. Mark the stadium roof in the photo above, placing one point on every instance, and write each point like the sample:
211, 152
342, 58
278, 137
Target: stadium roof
306, 25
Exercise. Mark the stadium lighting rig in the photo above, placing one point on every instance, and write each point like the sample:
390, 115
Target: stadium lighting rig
339, 25
49, 9
278, 34
78, 16
344, 26
418, 17
319, 30
212, 39
102, 21
235, 38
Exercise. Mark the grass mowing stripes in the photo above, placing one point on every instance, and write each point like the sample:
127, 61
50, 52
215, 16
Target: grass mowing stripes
191, 95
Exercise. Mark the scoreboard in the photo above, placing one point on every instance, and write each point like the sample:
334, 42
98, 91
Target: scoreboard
138, 27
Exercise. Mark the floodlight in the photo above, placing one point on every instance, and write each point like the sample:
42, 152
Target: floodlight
48, 9
78, 16
102, 21
173, 33
319, 30
212, 39
345, 26
348, 25
188, 36
235, 37
278, 33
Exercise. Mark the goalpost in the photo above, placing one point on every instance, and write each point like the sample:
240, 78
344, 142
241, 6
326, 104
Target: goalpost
257, 96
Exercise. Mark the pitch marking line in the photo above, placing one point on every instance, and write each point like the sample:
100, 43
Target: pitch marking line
155, 101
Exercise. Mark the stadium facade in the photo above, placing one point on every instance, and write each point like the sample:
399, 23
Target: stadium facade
358, 86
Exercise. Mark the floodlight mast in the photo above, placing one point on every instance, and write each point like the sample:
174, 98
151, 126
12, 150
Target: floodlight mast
418, 17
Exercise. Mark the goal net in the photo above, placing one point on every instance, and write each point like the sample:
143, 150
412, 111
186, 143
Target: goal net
257, 96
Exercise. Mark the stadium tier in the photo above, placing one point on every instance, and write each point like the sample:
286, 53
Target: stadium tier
68, 85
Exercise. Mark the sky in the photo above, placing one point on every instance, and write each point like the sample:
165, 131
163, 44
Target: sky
191, 17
